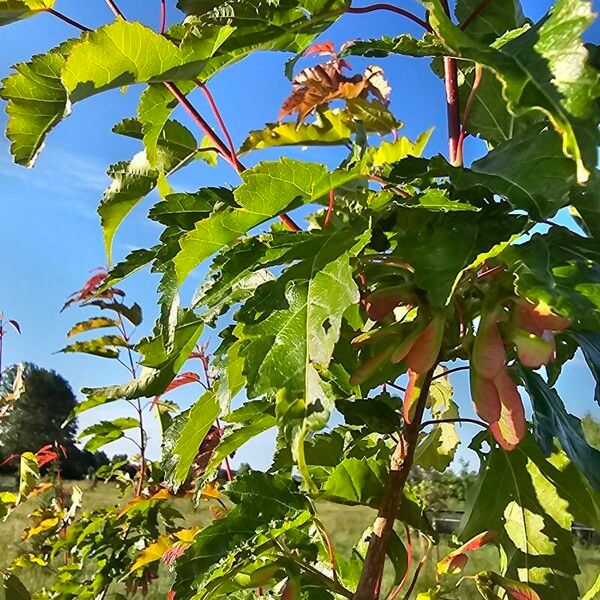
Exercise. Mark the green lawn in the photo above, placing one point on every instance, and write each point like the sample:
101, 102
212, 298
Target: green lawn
344, 523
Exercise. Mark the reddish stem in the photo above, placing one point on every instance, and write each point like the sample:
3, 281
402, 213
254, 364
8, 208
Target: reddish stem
402, 461
115, 9
329, 208
390, 8
463, 133
220, 120
474, 14
452, 99
68, 20
452, 107
163, 16
185, 103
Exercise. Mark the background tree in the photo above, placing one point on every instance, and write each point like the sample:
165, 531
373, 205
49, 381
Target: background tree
42, 409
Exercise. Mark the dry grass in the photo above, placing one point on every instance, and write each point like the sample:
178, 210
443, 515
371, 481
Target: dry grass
344, 523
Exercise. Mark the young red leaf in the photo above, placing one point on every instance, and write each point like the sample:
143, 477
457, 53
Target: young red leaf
183, 379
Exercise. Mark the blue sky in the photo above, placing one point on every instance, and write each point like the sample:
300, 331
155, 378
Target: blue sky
50, 232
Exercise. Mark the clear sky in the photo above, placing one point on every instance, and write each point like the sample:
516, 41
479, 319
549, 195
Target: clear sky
49, 229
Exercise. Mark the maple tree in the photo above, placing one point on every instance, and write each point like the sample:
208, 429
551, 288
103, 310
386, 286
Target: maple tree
407, 269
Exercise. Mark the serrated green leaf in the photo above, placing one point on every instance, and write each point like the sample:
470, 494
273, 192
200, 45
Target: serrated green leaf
110, 57
377, 413
404, 44
529, 170
105, 432
543, 69
184, 437
266, 506
289, 347
269, 189
450, 243
258, 416
91, 324
356, 481
331, 127
15, 10
106, 346
161, 362
37, 101
132, 181
523, 486
494, 20
552, 421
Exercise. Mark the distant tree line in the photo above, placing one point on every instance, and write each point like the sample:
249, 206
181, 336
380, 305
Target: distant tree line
38, 419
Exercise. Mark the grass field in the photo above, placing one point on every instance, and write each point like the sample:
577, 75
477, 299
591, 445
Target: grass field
345, 525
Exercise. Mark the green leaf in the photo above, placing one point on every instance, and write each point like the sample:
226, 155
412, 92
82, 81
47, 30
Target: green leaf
356, 481
105, 432
37, 101
29, 475
266, 506
542, 69
531, 503
403, 44
251, 420
289, 25
552, 421
110, 57
106, 346
529, 170
558, 268
493, 21
161, 362
378, 413
451, 243
589, 342
183, 439
586, 201
436, 450
293, 343
91, 324
331, 127
14, 10
269, 189
132, 181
